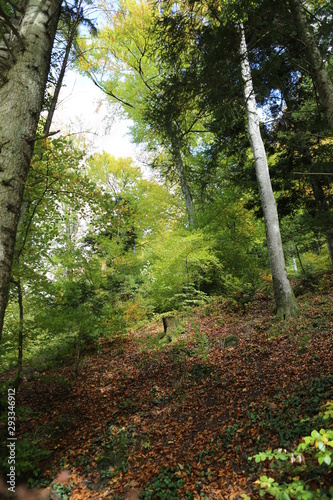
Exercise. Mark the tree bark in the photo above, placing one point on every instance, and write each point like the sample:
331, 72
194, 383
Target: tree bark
61, 76
184, 186
320, 75
285, 301
323, 206
20, 336
21, 98
77, 354
329, 240
299, 258
315, 59
189, 205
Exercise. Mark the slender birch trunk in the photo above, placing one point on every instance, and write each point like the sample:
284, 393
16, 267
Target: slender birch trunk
318, 66
21, 98
285, 301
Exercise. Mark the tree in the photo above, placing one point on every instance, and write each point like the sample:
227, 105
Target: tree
54, 179
70, 20
28, 33
178, 263
215, 24
320, 73
124, 64
315, 59
296, 124
284, 298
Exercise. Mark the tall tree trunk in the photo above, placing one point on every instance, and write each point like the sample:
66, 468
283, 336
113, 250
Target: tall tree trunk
55, 97
21, 233
299, 258
320, 75
329, 239
61, 76
77, 354
315, 59
322, 207
285, 301
189, 205
21, 98
181, 173
20, 336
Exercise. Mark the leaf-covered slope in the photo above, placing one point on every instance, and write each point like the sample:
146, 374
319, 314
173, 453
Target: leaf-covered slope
180, 420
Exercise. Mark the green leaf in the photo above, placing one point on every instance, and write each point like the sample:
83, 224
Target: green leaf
321, 446
315, 434
285, 496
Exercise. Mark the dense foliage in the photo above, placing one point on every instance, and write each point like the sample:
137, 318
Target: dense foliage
106, 248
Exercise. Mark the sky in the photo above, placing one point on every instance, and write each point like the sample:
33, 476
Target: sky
82, 107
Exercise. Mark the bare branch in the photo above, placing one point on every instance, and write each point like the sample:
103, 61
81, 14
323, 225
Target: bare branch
5, 41
313, 173
108, 92
11, 26
40, 137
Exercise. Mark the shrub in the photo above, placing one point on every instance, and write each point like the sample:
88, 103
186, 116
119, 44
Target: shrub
312, 459
166, 485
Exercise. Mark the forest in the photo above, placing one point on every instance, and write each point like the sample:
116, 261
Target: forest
166, 322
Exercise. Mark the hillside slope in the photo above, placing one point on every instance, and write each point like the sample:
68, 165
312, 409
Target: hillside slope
179, 420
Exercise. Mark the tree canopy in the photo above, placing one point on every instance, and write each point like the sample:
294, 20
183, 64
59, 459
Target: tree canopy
226, 217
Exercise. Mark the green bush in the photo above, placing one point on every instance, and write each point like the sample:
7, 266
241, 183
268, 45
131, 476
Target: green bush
312, 459
29, 453
177, 269
166, 485
117, 446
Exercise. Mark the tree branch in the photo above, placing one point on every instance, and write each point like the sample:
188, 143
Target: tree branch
15, 6
108, 92
40, 137
11, 26
313, 173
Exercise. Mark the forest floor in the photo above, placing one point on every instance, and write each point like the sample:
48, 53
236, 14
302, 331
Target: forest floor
179, 420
